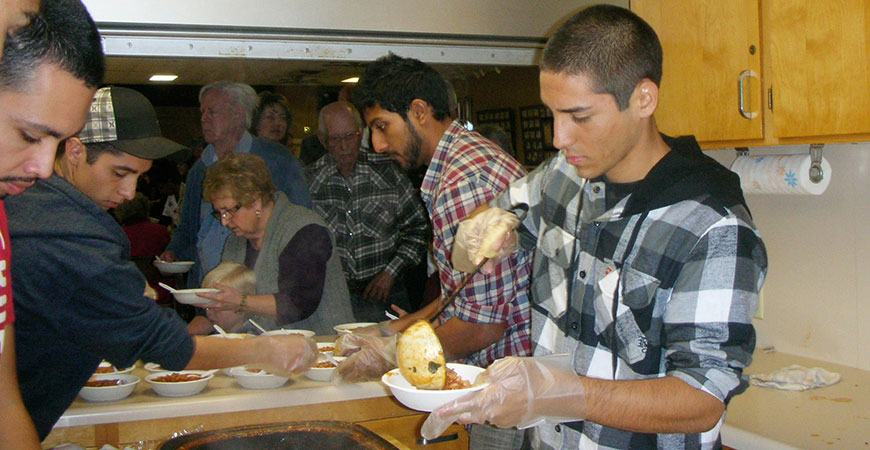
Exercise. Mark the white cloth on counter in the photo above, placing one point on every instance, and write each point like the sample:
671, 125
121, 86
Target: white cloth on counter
796, 378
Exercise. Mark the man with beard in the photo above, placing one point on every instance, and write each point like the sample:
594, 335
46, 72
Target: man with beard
49, 71
405, 103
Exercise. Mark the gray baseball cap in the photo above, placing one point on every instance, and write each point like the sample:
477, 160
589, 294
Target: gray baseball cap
127, 120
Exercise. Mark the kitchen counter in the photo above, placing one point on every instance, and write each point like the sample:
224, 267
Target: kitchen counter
836, 416
145, 419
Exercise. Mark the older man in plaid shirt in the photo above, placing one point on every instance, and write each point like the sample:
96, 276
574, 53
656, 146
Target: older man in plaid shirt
374, 211
647, 264
405, 104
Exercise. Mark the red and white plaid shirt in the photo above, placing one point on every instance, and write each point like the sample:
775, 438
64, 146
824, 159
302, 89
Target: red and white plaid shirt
467, 171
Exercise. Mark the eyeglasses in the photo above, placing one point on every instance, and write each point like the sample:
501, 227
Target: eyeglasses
343, 138
227, 214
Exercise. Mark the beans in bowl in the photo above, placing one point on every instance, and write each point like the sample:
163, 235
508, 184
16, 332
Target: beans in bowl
177, 378
104, 383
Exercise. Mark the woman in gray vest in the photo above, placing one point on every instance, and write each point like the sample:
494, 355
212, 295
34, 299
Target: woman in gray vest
300, 283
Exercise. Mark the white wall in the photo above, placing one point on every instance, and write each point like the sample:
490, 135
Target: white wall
817, 294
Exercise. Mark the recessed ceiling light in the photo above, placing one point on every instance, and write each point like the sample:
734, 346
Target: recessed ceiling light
350, 80
163, 78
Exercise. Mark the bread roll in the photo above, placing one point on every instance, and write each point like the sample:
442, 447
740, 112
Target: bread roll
421, 358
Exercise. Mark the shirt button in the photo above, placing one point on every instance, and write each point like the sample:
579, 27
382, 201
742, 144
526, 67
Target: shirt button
582, 274
574, 325
597, 224
350, 234
596, 189
558, 428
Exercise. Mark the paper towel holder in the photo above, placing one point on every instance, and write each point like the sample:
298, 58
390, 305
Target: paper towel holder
817, 174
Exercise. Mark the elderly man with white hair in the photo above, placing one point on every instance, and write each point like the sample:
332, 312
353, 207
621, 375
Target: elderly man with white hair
226, 108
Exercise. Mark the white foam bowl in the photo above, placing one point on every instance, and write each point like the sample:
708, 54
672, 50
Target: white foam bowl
168, 268
288, 331
322, 374
189, 297
323, 346
226, 370
105, 364
347, 328
179, 389
154, 367
257, 380
426, 400
110, 393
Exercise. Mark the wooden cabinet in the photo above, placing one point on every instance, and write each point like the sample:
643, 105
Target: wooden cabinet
819, 53
812, 58
710, 47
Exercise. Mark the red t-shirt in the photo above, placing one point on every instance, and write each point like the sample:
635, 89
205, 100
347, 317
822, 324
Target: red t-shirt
7, 313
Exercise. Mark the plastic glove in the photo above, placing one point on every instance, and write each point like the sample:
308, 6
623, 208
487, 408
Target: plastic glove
488, 234
522, 392
285, 355
372, 357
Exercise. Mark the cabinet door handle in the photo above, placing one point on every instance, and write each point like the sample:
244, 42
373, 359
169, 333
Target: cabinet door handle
740, 96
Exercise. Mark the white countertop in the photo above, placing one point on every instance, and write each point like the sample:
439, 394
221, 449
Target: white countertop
221, 395
831, 417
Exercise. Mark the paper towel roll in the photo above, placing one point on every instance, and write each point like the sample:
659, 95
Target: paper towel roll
780, 174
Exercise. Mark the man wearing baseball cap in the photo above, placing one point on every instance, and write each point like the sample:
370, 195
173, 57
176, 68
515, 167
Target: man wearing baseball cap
78, 297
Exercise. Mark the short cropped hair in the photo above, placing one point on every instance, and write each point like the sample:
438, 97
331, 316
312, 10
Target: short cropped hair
133, 211
611, 46
61, 33
242, 176
234, 275
240, 94
267, 99
393, 82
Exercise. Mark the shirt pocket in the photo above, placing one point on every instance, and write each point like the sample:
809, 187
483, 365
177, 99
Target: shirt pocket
378, 218
556, 247
637, 291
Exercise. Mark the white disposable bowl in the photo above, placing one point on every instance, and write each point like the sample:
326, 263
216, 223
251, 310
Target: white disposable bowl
110, 393
259, 380
154, 367
166, 267
189, 297
104, 364
180, 389
287, 331
322, 374
347, 328
322, 345
226, 370
426, 400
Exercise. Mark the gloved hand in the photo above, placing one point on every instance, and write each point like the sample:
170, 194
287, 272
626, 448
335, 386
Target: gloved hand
521, 392
488, 234
370, 357
285, 354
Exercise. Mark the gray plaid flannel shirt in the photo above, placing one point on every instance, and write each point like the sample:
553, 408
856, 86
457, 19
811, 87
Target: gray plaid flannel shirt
688, 291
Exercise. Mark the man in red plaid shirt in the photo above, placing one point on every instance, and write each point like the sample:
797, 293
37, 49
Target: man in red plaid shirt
404, 102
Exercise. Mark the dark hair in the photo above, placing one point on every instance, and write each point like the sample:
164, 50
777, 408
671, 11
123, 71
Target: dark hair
268, 99
133, 211
611, 46
393, 82
61, 33
93, 150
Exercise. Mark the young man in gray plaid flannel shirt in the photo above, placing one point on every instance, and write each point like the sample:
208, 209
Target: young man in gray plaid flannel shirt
647, 263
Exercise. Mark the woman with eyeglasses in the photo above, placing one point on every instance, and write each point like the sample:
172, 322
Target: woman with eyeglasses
300, 283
